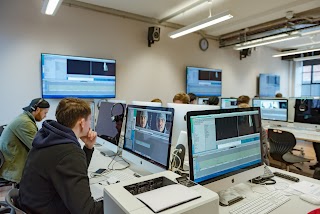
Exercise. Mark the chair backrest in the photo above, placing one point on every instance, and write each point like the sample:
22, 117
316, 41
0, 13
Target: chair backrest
11, 199
280, 143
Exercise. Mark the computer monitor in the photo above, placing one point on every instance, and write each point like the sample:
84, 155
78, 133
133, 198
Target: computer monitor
307, 111
147, 139
226, 146
269, 85
204, 82
180, 124
272, 109
227, 103
109, 124
145, 103
74, 76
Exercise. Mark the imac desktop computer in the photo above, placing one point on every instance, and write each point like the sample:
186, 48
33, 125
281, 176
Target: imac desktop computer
272, 109
147, 139
145, 103
225, 147
227, 103
109, 124
180, 124
307, 113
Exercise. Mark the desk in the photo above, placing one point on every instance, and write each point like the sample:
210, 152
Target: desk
294, 206
300, 134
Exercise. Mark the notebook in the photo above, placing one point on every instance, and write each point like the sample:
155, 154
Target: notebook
168, 196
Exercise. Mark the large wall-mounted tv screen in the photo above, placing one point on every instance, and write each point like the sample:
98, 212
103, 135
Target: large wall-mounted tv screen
269, 85
74, 76
204, 82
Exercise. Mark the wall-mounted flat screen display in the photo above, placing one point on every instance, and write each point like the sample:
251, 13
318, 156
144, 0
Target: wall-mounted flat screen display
204, 82
269, 85
74, 76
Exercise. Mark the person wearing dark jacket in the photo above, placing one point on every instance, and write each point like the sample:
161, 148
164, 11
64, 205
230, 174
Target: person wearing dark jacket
55, 177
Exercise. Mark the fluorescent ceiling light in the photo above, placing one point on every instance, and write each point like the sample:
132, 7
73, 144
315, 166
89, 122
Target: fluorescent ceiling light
201, 24
265, 41
288, 53
306, 58
50, 7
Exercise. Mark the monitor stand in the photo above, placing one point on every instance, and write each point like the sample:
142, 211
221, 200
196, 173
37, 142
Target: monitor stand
107, 148
229, 196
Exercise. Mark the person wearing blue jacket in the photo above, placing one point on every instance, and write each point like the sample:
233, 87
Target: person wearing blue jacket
55, 177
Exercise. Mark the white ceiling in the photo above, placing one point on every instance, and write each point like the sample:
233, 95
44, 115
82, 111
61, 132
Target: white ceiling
246, 13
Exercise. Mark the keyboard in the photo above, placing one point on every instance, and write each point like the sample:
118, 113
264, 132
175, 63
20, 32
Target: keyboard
120, 175
262, 205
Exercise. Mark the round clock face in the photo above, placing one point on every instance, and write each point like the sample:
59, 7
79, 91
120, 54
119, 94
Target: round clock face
204, 44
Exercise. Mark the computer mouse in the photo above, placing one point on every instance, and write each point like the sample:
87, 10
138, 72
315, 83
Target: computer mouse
312, 199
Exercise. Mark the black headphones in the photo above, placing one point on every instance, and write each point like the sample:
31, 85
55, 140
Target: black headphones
119, 117
303, 105
35, 106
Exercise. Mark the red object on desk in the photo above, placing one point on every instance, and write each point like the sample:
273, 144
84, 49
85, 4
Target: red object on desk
316, 211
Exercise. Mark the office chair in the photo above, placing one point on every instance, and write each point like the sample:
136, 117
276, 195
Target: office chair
282, 144
11, 199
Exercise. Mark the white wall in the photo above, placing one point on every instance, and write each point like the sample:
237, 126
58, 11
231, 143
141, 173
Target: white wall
143, 73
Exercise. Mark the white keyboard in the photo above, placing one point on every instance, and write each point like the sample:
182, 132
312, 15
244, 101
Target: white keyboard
120, 175
262, 205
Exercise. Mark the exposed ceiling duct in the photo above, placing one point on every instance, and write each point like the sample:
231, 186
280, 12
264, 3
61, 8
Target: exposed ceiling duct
302, 22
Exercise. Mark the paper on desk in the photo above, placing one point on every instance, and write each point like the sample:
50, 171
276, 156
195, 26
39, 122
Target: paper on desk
167, 197
307, 188
96, 191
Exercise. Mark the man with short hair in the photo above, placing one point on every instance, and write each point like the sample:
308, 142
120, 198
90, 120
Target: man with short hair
144, 120
17, 137
55, 178
161, 123
193, 98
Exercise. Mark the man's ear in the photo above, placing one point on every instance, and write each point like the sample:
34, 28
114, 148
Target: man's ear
82, 122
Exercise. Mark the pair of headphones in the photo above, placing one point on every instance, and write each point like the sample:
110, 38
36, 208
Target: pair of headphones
303, 105
119, 117
35, 106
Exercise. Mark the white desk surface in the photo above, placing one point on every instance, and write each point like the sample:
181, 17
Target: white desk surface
294, 206
250, 191
300, 134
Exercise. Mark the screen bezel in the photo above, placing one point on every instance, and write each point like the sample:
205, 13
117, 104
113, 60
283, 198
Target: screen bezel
287, 116
170, 134
76, 96
199, 113
187, 67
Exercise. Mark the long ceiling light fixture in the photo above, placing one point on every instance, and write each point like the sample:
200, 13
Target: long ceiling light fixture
299, 51
306, 58
201, 24
266, 41
50, 7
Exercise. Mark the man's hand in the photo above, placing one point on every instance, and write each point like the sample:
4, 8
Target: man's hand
90, 139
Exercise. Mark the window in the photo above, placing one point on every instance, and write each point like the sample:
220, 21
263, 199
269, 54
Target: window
311, 78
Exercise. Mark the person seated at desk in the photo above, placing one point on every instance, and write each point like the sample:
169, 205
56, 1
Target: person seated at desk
193, 98
243, 101
213, 101
279, 95
17, 137
181, 98
55, 178
264, 138
156, 100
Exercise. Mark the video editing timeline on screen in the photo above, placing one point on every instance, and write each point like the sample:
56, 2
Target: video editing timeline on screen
234, 144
